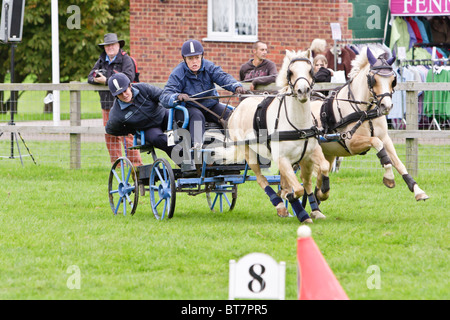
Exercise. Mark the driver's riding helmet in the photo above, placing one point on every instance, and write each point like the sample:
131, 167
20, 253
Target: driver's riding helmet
118, 83
191, 48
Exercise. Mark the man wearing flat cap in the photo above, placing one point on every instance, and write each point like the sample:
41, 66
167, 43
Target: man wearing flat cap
113, 60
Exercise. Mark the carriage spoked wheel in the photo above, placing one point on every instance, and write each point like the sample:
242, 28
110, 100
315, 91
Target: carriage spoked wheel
123, 187
220, 194
162, 189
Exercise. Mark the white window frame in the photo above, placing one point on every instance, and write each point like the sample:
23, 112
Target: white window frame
231, 35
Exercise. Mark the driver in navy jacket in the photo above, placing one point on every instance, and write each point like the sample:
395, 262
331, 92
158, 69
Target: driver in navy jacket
137, 107
196, 77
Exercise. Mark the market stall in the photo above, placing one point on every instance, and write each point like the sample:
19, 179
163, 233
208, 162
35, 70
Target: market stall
420, 35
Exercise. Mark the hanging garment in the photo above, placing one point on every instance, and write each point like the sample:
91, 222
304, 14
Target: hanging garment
437, 102
419, 53
440, 28
415, 28
412, 35
427, 27
343, 59
399, 34
399, 97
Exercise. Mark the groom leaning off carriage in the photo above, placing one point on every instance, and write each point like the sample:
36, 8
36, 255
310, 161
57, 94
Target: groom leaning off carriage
137, 108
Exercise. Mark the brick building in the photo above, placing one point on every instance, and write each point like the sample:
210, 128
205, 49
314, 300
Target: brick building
158, 28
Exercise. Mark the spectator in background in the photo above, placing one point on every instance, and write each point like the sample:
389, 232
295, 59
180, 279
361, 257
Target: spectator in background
112, 60
318, 46
258, 70
321, 71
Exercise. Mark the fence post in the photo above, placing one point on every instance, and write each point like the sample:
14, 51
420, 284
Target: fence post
412, 123
75, 138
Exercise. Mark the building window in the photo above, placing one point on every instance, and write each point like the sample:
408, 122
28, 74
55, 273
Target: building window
233, 20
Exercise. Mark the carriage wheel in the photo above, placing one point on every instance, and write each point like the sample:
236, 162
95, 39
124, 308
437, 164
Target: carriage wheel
123, 187
162, 189
222, 195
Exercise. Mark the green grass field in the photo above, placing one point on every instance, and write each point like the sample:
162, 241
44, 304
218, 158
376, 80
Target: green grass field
54, 221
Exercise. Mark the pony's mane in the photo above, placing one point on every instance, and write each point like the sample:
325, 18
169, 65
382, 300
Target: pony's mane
361, 61
290, 55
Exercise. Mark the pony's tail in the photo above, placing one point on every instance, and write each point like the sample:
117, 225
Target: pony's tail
229, 155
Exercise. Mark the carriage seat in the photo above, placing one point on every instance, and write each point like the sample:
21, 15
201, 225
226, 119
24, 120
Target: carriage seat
213, 125
139, 142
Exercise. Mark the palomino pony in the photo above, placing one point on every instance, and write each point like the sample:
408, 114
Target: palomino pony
358, 112
291, 136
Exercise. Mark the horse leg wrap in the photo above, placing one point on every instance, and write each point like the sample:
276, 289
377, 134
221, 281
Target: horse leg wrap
325, 184
299, 211
273, 196
409, 181
290, 197
312, 202
383, 156
315, 193
304, 199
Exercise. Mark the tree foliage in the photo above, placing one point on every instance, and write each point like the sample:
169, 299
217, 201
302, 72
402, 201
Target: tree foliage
78, 46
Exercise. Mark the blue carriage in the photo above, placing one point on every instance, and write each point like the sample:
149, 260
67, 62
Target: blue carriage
196, 174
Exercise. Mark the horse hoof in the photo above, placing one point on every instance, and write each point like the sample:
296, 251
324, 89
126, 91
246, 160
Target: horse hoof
282, 212
317, 215
322, 196
389, 182
422, 196
307, 221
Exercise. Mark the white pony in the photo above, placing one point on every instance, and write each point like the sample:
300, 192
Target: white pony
292, 138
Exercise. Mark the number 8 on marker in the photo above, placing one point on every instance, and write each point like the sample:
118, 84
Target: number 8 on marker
257, 277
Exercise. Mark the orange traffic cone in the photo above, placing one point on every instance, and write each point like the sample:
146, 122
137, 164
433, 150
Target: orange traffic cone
316, 281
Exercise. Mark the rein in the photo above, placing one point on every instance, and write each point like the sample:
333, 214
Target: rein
220, 118
292, 135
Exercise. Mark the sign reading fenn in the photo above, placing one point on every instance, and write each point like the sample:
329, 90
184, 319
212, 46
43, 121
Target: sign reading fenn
420, 7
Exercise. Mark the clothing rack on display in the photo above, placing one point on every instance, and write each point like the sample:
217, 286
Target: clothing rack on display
422, 38
421, 69
351, 40
416, 62
433, 44
433, 63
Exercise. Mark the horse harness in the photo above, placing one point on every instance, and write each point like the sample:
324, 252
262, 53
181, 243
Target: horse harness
328, 118
260, 126
260, 116
289, 74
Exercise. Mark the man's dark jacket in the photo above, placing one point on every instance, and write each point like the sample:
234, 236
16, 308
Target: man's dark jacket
144, 111
123, 63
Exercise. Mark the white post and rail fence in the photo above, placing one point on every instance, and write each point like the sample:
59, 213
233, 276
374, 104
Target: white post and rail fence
75, 129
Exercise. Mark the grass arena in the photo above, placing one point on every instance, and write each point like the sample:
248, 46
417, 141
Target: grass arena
57, 223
